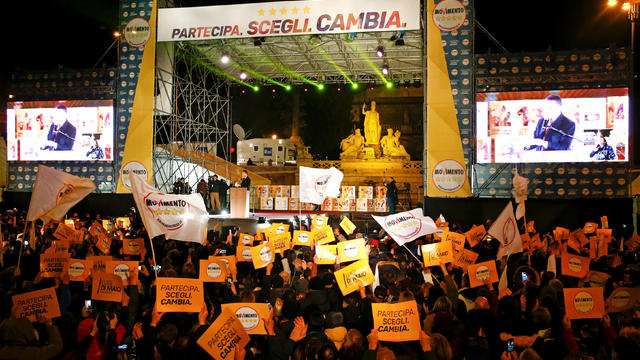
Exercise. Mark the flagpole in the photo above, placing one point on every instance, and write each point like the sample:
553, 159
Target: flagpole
24, 235
412, 254
153, 254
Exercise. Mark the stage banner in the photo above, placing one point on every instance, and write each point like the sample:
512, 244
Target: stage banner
136, 96
449, 75
287, 18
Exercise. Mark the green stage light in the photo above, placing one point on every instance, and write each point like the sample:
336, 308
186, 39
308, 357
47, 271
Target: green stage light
320, 87
354, 86
287, 87
389, 85
256, 89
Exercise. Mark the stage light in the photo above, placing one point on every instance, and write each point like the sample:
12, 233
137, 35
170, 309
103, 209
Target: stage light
287, 87
380, 51
243, 76
389, 85
274, 136
416, 83
398, 37
256, 89
339, 89
224, 58
320, 87
116, 34
626, 6
612, 2
273, 90
243, 91
354, 86
305, 89
232, 149
385, 69
407, 83
10, 96
399, 42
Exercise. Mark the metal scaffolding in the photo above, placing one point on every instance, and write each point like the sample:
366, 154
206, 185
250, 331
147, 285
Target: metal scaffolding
192, 118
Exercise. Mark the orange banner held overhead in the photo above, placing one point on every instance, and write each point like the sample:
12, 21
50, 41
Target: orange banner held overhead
40, 302
622, 299
53, 265
352, 250
107, 287
357, 274
262, 255
179, 294
302, 238
397, 322
475, 235
465, 258
327, 254
245, 239
212, 270
436, 253
323, 236
64, 232
482, 273
223, 335
455, 238
590, 228
132, 246
584, 303
79, 269
574, 265
250, 316
243, 253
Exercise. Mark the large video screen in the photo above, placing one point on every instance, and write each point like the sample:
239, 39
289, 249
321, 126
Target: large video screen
74, 130
586, 125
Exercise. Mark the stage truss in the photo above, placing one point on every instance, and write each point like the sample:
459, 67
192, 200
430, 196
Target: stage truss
192, 118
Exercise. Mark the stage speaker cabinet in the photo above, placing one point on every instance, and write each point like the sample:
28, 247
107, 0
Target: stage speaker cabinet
239, 203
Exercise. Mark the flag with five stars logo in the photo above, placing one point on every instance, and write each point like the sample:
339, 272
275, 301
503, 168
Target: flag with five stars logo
178, 217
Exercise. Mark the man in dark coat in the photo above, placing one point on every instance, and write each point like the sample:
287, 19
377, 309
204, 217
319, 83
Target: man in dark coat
555, 131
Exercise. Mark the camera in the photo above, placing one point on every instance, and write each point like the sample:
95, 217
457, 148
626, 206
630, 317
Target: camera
510, 345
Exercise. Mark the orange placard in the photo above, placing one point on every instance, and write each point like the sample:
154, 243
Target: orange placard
323, 236
397, 322
590, 228
318, 222
482, 273
213, 270
604, 221
530, 227
536, 243
79, 269
597, 278
123, 222
262, 234
179, 294
40, 302
223, 335
78, 237
456, 239
278, 228
250, 316
574, 265
465, 258
622, 299
104, 244
563, 233
245, 239
59, 247
243, 253
280, 242
605, 233
357, 274
326, 254
97, 230
526, 240
108, 225
53, 265
99, 263
230, 262
301, 238
352, 250
475, 235
64, 232
584, 303
262, 255
347, 225
127, 270
603, 244
579, 235
436, 253
107, 287
574, 243
593, 247
132, 246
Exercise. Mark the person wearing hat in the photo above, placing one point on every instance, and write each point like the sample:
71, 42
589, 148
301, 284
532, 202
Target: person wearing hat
334, 328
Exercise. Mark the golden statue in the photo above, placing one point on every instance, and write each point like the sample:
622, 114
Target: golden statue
387, 143
352, 145
372, 127
398, 148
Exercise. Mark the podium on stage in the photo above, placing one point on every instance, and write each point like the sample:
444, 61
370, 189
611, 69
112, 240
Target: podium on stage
239, 202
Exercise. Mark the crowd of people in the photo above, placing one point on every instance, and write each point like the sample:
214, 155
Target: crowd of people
311, 318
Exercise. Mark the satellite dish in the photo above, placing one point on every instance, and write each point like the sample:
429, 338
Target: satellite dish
238, 131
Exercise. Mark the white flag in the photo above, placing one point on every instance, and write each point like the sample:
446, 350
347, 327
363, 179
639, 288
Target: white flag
519, 191
55, 192
178, 217
406, 226
317, 184
506, 231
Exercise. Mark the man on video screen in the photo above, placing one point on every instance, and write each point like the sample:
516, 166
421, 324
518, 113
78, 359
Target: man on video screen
61, 132
554, 131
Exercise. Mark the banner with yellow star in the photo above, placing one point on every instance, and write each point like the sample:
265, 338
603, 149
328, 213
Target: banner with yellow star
178, 217
287, 18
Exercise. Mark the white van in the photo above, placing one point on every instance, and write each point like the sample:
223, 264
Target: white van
266, 152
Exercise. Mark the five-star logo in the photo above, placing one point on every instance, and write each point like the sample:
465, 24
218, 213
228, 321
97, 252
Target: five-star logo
265, 254
449, 15
137, 32
246, 254
76, 269
351, 250
246, 240
249, 317
575, 264
170, 213
482, 273
280, 229
303, 238
583, 302
122, 270
620, 298
404, 225
449, 175
214, 270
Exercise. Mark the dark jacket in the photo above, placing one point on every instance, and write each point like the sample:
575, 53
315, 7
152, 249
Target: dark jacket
559, 134
19, 342
64, 135
392, 192
246, 183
